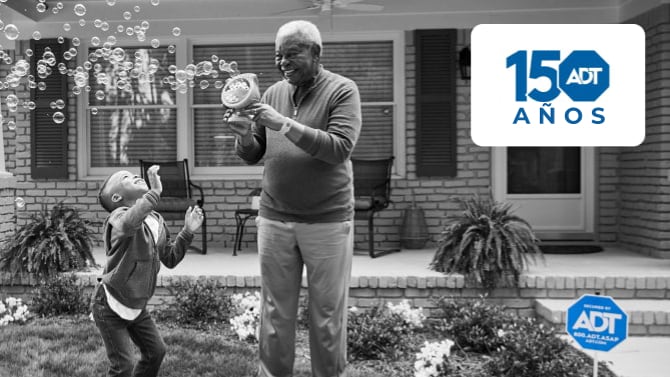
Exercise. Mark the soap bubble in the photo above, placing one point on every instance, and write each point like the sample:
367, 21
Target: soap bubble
204, 84
218, 84
155, 2
42, 86
155, 43
171, 49
41, 7
61, 40
137, 8
58, 117
127, 15
100, 95
11, 32
94, 111
129, 31
11, 125
111, 2
59, 5
12, 100
79, 10
60, 104
82, 22
19, 203
97, 23
31, 105
104, 26
215, 59
76, 41
95, 41
176, 31
67, 26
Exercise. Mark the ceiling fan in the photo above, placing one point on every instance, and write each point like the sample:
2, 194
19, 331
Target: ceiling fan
327, 6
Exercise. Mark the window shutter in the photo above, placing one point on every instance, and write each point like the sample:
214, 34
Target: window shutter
48, 144
435, 102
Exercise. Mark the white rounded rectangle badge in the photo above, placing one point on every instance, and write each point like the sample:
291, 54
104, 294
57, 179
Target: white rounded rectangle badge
558, 85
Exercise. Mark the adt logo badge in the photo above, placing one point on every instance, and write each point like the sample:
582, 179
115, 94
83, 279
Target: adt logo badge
597, 322
558, 85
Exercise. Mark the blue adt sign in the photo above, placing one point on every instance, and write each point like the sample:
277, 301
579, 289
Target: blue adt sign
597, 323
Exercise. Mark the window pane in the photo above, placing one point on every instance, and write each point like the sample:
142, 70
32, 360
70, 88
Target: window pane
214, 142
369, 64
376, 139
121, 137
546, 170
138, 76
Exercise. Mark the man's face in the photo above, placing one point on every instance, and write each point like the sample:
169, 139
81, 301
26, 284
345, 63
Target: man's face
296, 60
127, 185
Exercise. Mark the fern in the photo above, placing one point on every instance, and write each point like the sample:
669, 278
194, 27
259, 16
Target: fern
50, 242
486, 242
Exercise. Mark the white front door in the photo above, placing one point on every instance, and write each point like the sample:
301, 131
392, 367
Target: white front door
550, 187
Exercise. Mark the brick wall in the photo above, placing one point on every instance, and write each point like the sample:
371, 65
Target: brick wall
7, 185
643, 172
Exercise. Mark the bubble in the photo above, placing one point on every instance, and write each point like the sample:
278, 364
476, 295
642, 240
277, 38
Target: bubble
99, 95
12, 100
129, 31
144, 25
111, 2
72, 51
67, 26
180, 75
61, 40
59, 5
19, 202
11, 32
94, 111
58, 117
95, 41
42, 86
79, 10
32, 84
111, 40
11, 125
218, 84
76, 90
31, 105
60, 104
127, 15
118, 54
76, 41
137, 8
214, 58
104, 26
204, 84
155, 2
41, 7
55, 10
82, 22
176, 31
155, 43
97, 23
171, 49
141, 36
67, 56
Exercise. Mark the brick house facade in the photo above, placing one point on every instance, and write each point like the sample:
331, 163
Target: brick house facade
633, 184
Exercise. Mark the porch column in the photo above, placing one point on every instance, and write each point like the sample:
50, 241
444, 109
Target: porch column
7, 192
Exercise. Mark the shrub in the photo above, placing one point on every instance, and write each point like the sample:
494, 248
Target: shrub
50, 242
377, 334
200, 302
60, 294
487, 243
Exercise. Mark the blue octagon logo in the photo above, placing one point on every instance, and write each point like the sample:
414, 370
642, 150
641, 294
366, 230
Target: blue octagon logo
597, 323
584, 75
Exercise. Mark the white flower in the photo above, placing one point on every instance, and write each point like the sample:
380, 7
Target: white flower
246, 323
413, 317
353, 309
14, 311
432, 358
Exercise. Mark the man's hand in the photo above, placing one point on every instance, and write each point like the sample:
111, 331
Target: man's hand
265, 115
239, 124
154, 178
193, 219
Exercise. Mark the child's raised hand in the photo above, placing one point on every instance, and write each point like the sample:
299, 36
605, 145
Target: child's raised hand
193, 219
154, 178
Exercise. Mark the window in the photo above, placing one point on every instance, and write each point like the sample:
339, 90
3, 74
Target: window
133, 111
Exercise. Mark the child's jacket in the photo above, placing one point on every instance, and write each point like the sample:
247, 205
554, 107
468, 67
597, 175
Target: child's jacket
133, 255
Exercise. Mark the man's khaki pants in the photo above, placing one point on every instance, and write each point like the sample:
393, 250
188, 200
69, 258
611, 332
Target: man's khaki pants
326, 251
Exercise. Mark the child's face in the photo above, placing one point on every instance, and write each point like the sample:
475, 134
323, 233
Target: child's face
128, 186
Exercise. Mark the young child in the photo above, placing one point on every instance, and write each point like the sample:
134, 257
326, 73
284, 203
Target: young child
136, 240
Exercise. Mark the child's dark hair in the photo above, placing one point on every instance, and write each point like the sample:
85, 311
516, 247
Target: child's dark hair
102, 200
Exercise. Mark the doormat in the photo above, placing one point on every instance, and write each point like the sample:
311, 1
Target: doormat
570, 249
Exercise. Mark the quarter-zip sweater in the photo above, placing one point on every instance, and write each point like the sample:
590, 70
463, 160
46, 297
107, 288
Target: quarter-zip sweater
134, 256
311, 180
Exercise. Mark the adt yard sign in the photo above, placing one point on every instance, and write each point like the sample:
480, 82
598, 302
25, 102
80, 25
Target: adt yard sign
597, 323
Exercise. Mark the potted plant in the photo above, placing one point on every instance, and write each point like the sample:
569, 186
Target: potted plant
50, 242
486, 242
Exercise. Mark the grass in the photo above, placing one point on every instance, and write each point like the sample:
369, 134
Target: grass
70, 346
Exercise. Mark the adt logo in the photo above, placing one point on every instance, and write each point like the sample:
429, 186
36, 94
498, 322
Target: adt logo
597, 322
584, 75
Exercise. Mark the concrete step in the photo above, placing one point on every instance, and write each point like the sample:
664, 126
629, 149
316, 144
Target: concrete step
645, 317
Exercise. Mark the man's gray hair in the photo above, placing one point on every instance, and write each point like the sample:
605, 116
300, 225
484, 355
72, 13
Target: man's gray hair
305, 30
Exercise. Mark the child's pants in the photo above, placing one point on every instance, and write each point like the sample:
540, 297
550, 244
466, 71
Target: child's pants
117, 333
326, 250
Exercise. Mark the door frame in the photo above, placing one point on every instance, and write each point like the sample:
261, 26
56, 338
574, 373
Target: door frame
588, 190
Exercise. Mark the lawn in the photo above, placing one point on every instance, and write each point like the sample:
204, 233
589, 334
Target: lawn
70, 346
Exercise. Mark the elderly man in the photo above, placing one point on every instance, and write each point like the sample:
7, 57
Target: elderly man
306, 127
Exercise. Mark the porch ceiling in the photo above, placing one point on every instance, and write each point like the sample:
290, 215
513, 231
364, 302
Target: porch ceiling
452, 13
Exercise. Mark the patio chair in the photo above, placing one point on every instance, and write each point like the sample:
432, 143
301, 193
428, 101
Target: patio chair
372, 192
177, 193
241, 217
